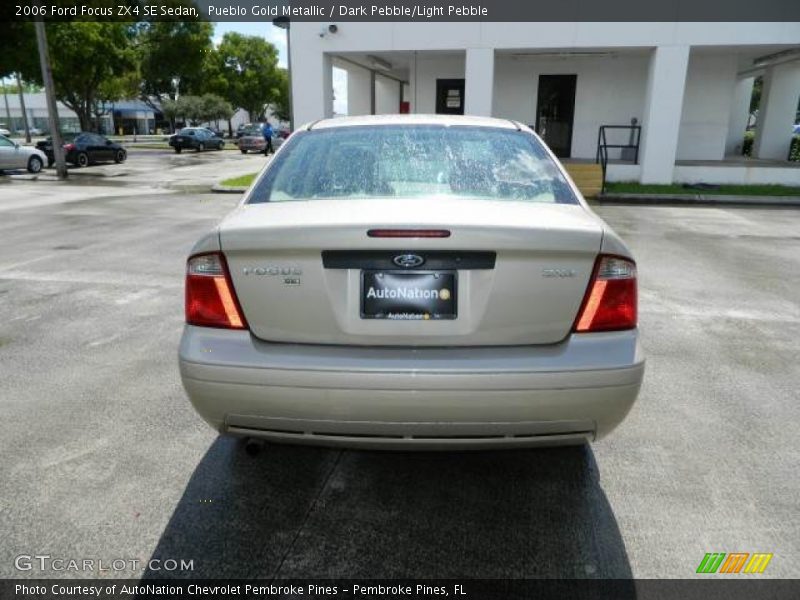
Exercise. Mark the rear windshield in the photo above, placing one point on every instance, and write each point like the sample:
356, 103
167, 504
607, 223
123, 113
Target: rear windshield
412, 161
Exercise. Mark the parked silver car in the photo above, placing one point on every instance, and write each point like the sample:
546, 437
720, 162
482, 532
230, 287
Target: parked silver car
412, 282
16, 156
252, 139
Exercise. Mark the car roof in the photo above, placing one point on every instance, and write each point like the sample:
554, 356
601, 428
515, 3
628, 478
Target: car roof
446, 120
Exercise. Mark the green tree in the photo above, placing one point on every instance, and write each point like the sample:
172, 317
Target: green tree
755, 99
280, 103
94, 63
28, 87
244, 69
190, 109
171, 110
19, 53
215, 107
172, 56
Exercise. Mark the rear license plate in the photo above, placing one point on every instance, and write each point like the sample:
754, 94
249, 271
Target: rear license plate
406, 296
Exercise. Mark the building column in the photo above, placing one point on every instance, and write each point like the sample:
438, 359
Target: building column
739, 115
312, 87
666, 82
479, 84
359, 92
412, 85
777, 111
387, 95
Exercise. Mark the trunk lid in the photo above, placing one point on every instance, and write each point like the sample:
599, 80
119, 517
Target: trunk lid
542, 256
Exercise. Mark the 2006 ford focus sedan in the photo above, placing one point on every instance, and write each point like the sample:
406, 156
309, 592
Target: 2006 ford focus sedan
412, 282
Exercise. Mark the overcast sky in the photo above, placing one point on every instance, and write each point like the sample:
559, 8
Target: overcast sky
277, 37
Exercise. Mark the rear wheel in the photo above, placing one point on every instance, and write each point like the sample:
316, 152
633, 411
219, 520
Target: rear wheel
244, 151
35, 164
177, 149
82, 160
201, 147
50, 162
120, 156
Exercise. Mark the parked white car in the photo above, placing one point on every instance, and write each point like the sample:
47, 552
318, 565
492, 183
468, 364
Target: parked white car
412, 282
16, 156
4, 131
32, 130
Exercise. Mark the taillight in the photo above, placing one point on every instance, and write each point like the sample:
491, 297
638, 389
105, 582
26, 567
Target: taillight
610, 303
69, 147
210, 298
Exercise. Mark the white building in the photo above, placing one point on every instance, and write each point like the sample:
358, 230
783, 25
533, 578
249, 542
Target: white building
126, 115
36, 111
688, 86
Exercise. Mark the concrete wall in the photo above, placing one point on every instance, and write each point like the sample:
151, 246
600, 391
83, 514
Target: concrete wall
429, 68
451, 36
609, 91
387, 96
358, 94
690, 123
710, 84
739, 116
737, 175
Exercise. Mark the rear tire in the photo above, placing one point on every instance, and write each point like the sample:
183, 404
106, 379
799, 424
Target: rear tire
50, 162
178, 149
244, 151
35, 164
201, 147
82, 160
120, 156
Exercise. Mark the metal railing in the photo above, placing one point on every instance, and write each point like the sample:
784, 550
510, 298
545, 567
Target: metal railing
634, 136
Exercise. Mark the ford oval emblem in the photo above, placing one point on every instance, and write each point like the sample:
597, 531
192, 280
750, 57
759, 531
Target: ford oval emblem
408, 261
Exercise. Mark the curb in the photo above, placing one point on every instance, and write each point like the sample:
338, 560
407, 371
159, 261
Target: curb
702, 199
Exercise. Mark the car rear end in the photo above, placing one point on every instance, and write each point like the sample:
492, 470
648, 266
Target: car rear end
183, 140
449, 315
68, 144
252, 142
46, 147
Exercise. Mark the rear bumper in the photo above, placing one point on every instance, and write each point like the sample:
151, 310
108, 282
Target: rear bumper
412, 397
251, 144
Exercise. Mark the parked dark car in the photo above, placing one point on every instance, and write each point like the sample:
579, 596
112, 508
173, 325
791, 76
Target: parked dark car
195, 138
84, 149
215, 132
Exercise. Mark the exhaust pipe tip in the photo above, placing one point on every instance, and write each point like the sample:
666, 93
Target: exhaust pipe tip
253, 446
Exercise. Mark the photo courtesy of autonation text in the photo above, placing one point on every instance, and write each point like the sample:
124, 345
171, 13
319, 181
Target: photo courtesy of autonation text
399, 299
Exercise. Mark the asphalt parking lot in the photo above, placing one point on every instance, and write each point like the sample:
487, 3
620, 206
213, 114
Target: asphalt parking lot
103, 456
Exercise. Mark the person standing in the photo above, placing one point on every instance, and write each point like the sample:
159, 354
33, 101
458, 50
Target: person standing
267, 132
